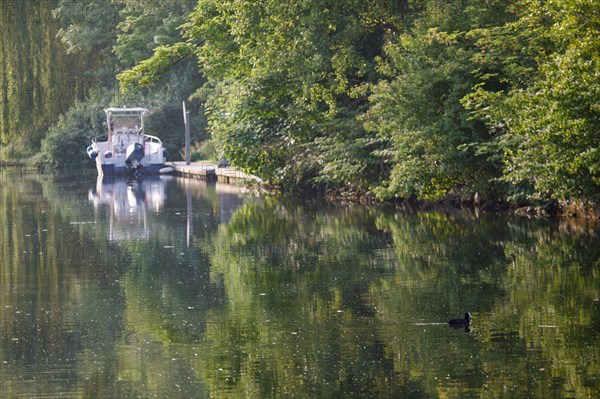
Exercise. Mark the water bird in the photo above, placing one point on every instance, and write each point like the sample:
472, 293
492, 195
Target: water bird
461, 322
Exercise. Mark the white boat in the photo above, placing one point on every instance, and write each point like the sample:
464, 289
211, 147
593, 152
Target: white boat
127, 150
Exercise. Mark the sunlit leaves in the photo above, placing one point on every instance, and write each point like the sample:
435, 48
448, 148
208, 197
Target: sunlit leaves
548, 103
279, 77
144, 25
423, 98
149, 71
418, 110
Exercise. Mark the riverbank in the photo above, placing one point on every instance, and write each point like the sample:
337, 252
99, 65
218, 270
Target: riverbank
207, 170
555, 209
552, 209
210, 171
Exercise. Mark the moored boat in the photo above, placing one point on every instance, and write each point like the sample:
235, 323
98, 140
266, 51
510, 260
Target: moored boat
127, 149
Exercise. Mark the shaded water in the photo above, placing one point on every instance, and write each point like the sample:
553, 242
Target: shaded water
171, 288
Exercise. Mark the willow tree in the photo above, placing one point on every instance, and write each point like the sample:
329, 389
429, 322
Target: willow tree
38, 80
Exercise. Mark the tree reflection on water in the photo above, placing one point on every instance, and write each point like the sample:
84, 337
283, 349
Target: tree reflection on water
230, 295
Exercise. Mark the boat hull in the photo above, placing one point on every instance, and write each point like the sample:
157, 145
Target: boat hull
116, 170
150, 159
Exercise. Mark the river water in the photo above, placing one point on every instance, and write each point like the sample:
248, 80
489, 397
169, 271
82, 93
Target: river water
173, 288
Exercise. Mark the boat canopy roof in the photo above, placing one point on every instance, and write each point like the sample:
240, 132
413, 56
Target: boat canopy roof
126, 111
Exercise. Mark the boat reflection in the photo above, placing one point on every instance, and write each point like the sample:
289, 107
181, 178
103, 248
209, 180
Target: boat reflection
128, 202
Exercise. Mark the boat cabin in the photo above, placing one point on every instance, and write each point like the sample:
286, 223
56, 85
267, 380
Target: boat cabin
125, 127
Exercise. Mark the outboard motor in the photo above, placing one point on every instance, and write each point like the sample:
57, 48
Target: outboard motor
133, 157
92, 153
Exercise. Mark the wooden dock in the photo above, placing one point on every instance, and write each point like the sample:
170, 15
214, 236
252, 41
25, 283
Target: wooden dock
209, 171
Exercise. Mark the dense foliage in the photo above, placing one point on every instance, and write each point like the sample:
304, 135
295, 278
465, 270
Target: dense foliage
548, 117
426, 98
423, 98
38, 79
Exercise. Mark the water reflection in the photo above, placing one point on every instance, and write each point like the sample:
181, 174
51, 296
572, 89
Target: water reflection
128, 202
176, 288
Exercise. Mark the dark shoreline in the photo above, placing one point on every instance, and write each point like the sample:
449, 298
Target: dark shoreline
553, 209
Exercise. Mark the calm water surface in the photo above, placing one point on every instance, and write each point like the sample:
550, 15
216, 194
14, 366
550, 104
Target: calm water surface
171, 288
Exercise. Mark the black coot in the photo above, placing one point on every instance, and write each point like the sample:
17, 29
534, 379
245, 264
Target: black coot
461, 322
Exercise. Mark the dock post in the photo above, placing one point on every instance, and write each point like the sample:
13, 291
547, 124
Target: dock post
186, 119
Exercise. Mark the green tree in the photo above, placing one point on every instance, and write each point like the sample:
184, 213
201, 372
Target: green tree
279, 95
146, 25
424, 99
417, 107
73, 132
89, 29
546, 115
147, 28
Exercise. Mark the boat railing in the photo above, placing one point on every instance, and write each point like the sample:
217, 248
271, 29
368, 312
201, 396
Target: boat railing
147, 137
97, 138
152, 139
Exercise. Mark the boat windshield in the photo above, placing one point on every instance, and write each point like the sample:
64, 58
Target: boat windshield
125, 126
